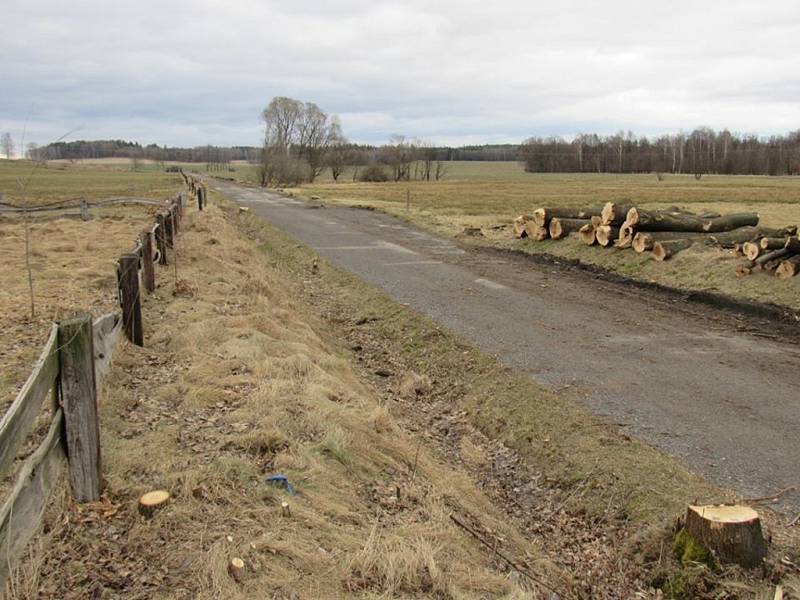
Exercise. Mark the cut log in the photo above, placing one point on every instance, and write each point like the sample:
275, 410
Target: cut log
542, 216
730, 222
788, 268
678, 221
597, 221
744, 269
236, 569
761, 261
751, 250
792, 244
561, 227
614, 214
606, 234
669, 248
588, 234
625, 236
644, 241
519, 226
773, 243
732, 533
152, 501
740, 235
536, 232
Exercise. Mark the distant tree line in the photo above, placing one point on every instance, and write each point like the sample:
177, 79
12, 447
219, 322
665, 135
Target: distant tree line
699, 152
311, 140
83, 149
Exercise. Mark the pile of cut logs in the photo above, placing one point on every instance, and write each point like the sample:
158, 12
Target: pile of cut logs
665, 232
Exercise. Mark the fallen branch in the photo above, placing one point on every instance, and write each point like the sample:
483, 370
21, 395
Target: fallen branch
500, 555
772, 498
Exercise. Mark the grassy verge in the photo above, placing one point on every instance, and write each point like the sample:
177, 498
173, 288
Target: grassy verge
474, 196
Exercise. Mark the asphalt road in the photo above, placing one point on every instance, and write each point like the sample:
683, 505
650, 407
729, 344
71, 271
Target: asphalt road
681, 377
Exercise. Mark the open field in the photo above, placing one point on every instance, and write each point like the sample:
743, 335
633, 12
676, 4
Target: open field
482, 200
24, 181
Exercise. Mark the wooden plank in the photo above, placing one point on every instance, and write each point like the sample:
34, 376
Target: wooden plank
21, 415
79, 402
106, 331
22, 511
148, 270
130, 298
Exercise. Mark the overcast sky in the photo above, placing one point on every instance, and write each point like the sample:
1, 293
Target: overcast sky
200, 71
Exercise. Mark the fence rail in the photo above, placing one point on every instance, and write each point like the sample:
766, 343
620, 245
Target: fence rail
74, 360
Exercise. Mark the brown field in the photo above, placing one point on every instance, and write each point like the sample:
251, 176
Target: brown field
72, 262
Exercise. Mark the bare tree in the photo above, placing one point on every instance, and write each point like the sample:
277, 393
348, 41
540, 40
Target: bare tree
297, 137
7, 144
30, 150
337, 154
399, 154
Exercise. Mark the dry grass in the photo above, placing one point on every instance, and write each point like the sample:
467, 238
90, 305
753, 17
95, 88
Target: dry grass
73, 265
235, 384
490, 195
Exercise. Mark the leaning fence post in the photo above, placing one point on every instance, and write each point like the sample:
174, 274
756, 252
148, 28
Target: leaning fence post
79, 401
129, 297
148, 272
161, 239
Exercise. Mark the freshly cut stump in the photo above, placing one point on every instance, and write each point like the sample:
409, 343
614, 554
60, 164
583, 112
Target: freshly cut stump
733, 533
236, 569
152, 501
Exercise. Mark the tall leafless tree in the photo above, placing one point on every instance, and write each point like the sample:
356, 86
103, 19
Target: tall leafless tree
7, 144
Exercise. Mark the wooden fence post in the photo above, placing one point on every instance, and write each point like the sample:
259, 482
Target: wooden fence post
79, 401
176, 220
129, 296
161, 239
200, 198
148, 271
169, 232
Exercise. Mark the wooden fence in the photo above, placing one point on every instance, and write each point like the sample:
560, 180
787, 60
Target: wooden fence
72, 363
135, 269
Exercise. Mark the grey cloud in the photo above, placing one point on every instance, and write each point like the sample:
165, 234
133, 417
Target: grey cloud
200, 72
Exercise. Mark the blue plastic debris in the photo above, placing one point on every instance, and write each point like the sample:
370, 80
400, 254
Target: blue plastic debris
281, 481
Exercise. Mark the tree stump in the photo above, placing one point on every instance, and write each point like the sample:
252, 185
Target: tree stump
152, 501
732, 533
236, 569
